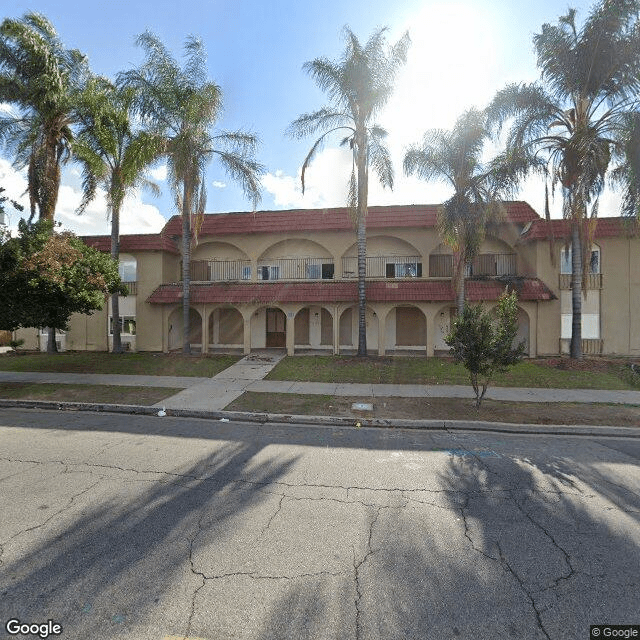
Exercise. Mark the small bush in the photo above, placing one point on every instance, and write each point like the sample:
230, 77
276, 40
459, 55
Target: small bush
483, 343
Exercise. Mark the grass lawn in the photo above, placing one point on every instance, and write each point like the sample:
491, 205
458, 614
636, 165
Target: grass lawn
150, 364
441, 409
562, 373
85, 393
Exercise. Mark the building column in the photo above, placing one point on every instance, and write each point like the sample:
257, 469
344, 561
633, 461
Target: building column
205, 327
247, 316
382, 330
336, 330
290, 331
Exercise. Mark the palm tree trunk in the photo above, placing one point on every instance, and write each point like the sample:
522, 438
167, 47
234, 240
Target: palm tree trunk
115, 299
459, 274
361, 235
186, 267
576, 293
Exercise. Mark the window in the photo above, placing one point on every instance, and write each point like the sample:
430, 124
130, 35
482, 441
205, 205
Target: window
404, 270
314, 271
127, 269
246, 273
269, 273
127, 325
565, 260
327, 271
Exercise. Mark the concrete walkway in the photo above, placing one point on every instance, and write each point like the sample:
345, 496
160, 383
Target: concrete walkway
214, 394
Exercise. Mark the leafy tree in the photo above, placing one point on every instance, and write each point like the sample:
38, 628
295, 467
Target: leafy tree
483, 343
182, 106
456, 158
115, 156
581, 117
41, 79
45, 277
358, 86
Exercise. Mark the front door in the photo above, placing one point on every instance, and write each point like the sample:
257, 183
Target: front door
276, 328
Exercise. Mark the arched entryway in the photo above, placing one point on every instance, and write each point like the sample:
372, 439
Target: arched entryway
276, 328
226, 328
406, 328
175, 337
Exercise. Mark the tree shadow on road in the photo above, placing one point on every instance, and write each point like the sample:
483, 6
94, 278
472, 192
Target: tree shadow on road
126, 559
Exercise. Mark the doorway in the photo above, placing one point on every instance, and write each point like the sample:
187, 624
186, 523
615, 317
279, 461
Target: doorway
276, 328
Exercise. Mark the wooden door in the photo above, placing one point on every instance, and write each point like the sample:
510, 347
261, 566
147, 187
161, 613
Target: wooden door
276, 328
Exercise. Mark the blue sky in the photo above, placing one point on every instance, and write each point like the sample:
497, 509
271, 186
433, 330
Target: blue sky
461, 54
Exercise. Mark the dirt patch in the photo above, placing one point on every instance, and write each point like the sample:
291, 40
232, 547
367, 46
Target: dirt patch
443, 409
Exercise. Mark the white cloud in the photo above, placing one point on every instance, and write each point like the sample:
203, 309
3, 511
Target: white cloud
135, 217
159, 173
218, 185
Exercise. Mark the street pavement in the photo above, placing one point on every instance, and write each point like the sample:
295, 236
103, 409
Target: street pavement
149, 528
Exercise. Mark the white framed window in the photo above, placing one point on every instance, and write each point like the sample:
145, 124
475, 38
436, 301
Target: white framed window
314, 271
127, 325
565, 260
127, 268
246, 273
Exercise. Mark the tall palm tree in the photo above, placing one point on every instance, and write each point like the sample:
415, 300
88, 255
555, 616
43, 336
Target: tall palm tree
358, 85
182, 106
40, 79
455, 157
577, 117
113, 156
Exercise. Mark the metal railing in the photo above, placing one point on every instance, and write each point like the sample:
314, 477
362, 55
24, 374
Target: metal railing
594, 280
486, 264
296, 269
219, 270
132, 286
384, 267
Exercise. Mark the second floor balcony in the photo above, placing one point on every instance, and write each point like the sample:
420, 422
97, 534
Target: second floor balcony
485, 264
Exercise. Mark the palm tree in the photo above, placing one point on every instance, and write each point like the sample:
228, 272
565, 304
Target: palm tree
358, 85
456, 158
114, 156
577, 118
182, 106
41, 79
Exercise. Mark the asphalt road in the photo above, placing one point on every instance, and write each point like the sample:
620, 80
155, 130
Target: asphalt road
118, 526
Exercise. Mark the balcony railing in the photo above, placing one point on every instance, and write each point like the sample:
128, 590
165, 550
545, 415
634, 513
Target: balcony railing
486, 264
590, 346
132, 286
384, 267
594, 280
219, 270
296, 269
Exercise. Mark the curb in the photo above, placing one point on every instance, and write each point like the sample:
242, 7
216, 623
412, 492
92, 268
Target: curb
333, 421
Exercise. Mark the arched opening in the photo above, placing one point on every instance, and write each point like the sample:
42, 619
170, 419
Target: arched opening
276, 321
407, 328
226, 328
175, 337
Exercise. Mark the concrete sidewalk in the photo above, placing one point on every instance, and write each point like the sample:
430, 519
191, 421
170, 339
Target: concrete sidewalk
213, 394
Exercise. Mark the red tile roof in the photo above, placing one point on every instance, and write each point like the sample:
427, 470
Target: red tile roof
134, 242
336, 219
323, 292
604, 228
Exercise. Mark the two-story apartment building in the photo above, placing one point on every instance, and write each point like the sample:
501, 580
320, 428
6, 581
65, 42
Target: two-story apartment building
287, 279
